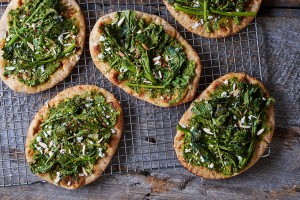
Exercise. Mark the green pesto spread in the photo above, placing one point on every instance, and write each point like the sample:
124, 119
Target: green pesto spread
74, 137
146, 57
214, 14
39, 37
224, 130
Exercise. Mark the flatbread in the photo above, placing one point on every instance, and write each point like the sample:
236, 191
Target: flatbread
187, 21
102, 163
112, 75
68, 63
260, 147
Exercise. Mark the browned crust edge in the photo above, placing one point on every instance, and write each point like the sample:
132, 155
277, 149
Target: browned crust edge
260, 146
112, 74
187, 22
67, 63
102, 163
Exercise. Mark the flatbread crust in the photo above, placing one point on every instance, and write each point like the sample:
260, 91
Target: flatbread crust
68, 63
112, 75
259, 148
187, 21
102, 163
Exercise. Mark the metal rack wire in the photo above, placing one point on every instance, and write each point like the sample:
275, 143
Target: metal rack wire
148, 130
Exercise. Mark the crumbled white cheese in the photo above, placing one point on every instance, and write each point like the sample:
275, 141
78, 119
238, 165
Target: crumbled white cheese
260, 131
211, 165
139, 32
196, 4
196, 25
263, 98
42, 144
99, 141
69, 183
210, 17
81, 174
202, 159
113, 131
159, 73
38, 139
83, 149
146, 81
177, 49
167, 58
121, 21
108, 49
157, 58
84, 171
157, 63
243, 120
187, 150
50, 153
123, 69
102, 38
79, 139
57, 179
101, 154
60, 38
10, 68
30, 46
225, 82
51, 143
101, 56
206, 130
224, 94
239, 158
233, 87
251, 116
62, 151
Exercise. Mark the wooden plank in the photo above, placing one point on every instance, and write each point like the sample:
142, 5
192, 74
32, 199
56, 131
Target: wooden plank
282, 3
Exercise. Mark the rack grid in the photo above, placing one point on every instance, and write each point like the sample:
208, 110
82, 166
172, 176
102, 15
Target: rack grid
147, 142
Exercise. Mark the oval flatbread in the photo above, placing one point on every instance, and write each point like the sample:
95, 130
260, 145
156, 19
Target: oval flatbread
111, 74
260, 146
63, 68
39, 135
196, 26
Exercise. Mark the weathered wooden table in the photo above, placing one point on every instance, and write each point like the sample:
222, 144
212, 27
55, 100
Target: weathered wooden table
274, 177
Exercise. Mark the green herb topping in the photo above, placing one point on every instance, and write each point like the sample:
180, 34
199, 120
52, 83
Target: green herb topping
146, 57
39, 36
224, 130
74, 137
214, 14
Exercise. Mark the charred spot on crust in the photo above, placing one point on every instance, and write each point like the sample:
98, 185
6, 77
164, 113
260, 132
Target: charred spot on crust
68, 13
97, 48
115, 78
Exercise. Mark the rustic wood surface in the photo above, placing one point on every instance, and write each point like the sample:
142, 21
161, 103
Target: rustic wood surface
274, 177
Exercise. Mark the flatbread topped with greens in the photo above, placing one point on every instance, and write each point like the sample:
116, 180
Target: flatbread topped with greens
227, 128
72, 138
40, 43
213, 18
146, 57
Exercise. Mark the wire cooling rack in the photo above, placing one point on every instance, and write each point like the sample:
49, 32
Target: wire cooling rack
148, 130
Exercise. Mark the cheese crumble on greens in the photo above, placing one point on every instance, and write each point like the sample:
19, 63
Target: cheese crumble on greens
214, 14
40, 35
224, 129
73, 137
146, 57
